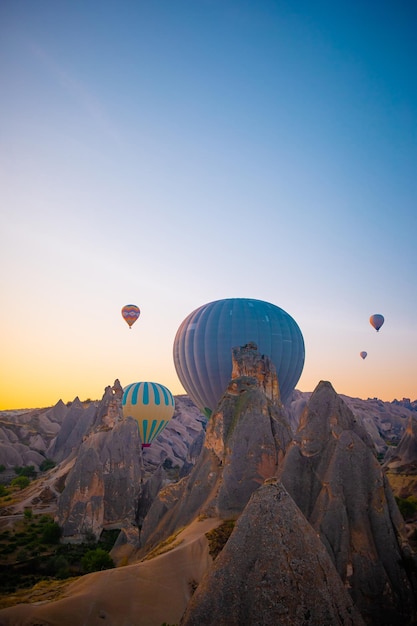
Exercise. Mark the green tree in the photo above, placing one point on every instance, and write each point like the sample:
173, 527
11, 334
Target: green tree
51, 533
58, 566
27, 470
28, 514
46, 465
20, 481
407, 506
96, 560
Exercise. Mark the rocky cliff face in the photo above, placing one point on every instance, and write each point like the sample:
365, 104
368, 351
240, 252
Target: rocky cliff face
400, 467
385, 422
343, 545
180, 443
330, 470
103, 486
246, 439
273, 570
76, 423
404, 456
25, 437
332, 473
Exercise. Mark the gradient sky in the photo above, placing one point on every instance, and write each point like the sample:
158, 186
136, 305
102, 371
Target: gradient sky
169, 153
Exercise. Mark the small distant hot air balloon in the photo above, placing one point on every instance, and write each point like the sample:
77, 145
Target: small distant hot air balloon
376, 321
152, 405
363, 354
130, 313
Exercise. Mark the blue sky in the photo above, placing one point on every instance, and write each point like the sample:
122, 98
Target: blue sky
171, 153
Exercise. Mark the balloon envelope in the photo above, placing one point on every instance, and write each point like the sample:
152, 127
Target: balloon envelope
130, 313
376, 321
204, 341
152, 405
363, 354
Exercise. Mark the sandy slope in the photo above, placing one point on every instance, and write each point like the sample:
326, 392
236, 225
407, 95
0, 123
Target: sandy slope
144, 594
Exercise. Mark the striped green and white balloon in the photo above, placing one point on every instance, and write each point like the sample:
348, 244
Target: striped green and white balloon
152, 405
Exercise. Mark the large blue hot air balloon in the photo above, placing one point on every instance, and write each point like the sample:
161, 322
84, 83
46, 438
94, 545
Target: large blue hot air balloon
204, 341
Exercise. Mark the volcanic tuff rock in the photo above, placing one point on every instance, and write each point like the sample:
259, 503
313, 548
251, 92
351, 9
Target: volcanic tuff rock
246, 438
385, 422
404, 456
76, 423
400, 466
103, 487
80, 421
333, 475
180, 443
25, 437
273, 571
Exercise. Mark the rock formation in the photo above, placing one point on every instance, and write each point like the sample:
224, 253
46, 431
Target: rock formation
343, 546
404, 456
103, 486
75, 425
181, 441
25, 437
385, 422
246, 439
333, 475
400, 466
273, 570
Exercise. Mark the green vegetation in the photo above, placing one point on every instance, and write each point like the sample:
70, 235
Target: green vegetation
96, 560
46, 465
218, 537
3, 491
28, 514
20, 481
408, 507
51, 533
27, 470
31, 552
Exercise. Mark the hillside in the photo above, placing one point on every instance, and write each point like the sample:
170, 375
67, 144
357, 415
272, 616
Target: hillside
198, 475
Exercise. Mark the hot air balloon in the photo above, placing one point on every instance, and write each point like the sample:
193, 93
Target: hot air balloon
376, 321
203, 346
152, 405
130, 313
363, 354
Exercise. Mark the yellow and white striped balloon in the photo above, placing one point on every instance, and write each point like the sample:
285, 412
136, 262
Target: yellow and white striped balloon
152, 405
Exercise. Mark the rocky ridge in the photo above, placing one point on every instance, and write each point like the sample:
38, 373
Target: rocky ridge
332, 473
273, 570
324, 482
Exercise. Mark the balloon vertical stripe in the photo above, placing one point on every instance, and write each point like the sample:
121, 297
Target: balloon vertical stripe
135, 394
157, 397
144, 431
145, 393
